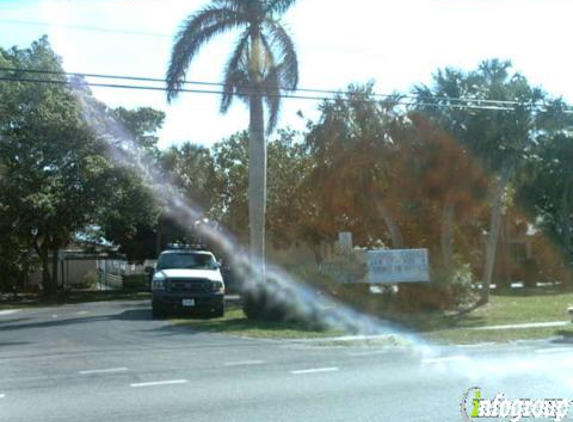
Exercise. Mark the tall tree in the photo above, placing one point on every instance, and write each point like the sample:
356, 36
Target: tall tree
55, 179
52, 169
353, 144
262, 65
128, 214
545, 181
289, 200
192, 170
443, 179
497, 135
141, 124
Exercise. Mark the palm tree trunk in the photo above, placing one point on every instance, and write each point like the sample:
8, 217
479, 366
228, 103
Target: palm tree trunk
257, 184
447, 235
493, 233
257, 161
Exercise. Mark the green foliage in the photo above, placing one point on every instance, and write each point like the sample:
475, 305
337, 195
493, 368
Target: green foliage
192, 170
128, 212
141, 124
460, 279
135, 283
353, 145
231, 183
128, 215
496, 138
288, 195
545, 188
54, 177
47, 153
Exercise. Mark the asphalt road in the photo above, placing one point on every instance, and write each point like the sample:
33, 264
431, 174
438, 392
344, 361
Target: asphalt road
111, 362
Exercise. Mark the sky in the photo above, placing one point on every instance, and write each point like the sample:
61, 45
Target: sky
395, 43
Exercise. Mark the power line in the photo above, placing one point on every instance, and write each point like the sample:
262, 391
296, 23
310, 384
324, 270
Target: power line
287, 96
86, 28
148, 79
490, 104
458, 102
151, 88
130, 32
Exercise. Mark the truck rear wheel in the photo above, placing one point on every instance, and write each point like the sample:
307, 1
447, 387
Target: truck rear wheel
157, 311
219, 311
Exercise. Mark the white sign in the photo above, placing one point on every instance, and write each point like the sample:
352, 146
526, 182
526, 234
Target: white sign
389, 266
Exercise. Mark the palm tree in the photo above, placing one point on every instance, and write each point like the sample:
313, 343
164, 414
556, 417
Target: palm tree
261, 66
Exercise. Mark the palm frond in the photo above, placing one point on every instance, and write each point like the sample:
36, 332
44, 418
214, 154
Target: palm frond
235, 71
195, 32
272, 93
271, 85
282, 42
236, 84
268, 55
278, 7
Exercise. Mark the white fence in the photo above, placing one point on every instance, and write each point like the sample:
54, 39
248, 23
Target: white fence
110, 272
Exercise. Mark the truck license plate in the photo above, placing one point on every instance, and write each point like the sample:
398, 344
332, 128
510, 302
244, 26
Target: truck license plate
188, 303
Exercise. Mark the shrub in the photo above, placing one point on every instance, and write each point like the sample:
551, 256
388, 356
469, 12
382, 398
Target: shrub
271, 302
135, 282
89, 281
315, 279
449, 288
460, 278
530, 273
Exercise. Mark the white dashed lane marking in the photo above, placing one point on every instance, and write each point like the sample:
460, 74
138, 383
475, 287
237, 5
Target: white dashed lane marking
444, 359
245, 363
370, 353
554, 350
313, 371
157, 383
103, 371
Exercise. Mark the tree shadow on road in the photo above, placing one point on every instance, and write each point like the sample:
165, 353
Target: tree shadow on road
13, 320
137, 312
54, 323
13, 343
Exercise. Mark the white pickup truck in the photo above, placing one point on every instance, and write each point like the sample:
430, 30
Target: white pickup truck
187, 280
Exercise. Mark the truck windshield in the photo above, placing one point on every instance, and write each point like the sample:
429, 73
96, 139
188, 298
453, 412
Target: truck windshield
186, 260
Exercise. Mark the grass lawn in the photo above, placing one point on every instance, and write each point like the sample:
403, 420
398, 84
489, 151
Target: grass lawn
512, 308
465, 336
35, 300
515, 308
236, 323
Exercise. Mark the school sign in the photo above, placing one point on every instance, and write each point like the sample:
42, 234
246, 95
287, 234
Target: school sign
397, 266
380, 266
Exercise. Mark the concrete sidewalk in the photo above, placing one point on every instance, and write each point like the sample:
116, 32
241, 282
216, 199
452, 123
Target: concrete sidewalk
526, 325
